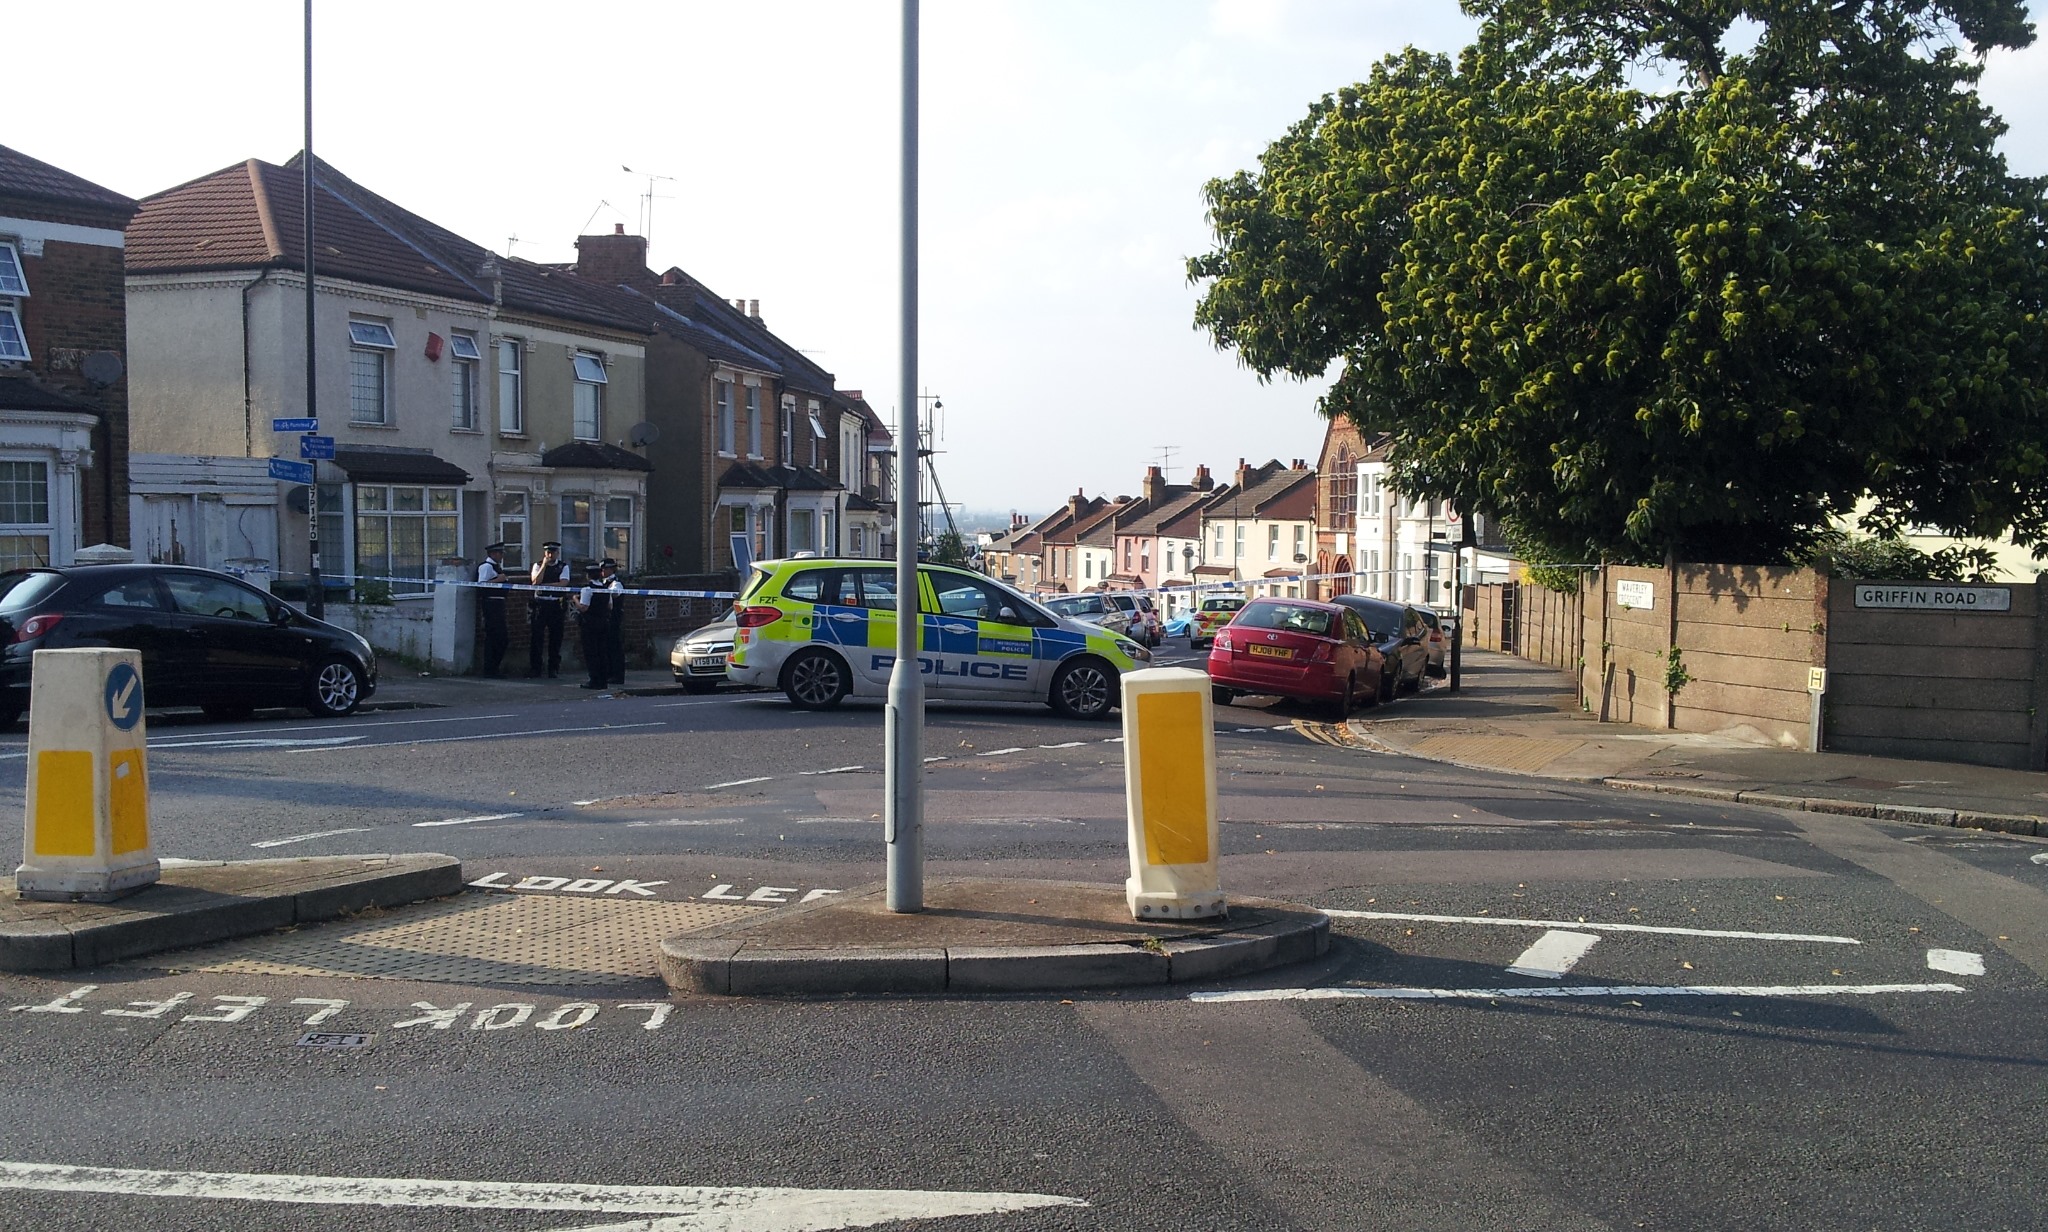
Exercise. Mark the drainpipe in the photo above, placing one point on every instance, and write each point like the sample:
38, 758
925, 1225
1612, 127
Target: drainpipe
248, 404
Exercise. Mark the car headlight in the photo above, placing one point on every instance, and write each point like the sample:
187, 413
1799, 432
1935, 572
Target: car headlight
1134, 650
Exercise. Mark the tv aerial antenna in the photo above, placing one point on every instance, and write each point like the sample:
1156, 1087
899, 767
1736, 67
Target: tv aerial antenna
1166, 453
648, 198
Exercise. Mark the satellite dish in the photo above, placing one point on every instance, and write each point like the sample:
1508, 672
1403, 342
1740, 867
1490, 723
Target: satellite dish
102, 367
295, 498
643, 433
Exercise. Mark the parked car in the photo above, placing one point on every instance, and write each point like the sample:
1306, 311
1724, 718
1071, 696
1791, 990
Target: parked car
1181, 625
1399, 631
1213, 613
698, 658
1095, 609
823, 629
206, 639
1298, 648
1437, 641
1144, 625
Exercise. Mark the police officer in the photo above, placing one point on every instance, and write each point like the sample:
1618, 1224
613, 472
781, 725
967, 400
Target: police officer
490, 572
594, 623
617, 631
544, 617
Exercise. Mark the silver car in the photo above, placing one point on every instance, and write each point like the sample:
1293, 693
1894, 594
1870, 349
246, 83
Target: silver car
1094, 610
698, 659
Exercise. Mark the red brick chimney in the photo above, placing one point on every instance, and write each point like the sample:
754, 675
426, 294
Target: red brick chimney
1244, 473
614, 258
1202, 482
1155, 485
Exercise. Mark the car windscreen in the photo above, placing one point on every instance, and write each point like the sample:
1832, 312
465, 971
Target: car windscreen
1221, 605
1291, 617
1384, 619
22, 592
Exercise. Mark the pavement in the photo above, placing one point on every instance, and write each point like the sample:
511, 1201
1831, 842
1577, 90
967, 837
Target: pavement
977, 935
199, 903
1518, 717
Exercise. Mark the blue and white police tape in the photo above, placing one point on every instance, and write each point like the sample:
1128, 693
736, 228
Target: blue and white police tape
555, 589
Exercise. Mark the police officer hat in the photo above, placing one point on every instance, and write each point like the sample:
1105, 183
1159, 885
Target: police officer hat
493, 547
552, 545
608, 563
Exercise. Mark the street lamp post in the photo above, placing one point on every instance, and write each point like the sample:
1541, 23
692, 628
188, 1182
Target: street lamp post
903, 821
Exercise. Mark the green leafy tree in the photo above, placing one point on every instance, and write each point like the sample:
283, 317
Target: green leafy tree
1703, 317
950, 548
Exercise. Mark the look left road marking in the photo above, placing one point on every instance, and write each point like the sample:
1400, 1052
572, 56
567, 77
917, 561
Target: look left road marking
678, 1207
1554, 953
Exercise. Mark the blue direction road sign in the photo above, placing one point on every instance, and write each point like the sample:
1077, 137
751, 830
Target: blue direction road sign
290, 471
124, 696
316, 447
294, 425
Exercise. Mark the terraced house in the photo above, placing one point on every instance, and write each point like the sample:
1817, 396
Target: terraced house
470, 397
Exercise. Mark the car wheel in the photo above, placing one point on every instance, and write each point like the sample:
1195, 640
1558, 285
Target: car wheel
1083, 688
698, 686
337, 689
228, 712
1220, 695
816, 680
1340, 708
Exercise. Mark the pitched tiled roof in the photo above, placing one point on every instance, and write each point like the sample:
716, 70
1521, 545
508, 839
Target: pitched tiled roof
696, 301
248, 217
594, 456
792, 478
1263, 485
1098, 530
31, 179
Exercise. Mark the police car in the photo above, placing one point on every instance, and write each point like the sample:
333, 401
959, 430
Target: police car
821, 630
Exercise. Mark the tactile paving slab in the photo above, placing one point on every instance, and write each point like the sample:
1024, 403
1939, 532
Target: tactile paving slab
473, 939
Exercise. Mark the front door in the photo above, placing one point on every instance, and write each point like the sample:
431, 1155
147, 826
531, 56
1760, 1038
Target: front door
249, 657
976, 642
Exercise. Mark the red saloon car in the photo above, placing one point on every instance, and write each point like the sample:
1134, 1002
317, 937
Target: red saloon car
1297, 648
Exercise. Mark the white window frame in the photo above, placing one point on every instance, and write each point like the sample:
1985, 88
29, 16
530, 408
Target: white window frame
721, 413
13, 276
390, 514
46, 530
601, 510
463, 382
788, 431
13, 337
511, 525
586, 414
512, 418
367, 340
1272, 543
808, 542
753, 421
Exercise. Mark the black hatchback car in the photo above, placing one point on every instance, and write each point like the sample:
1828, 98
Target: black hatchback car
206, 639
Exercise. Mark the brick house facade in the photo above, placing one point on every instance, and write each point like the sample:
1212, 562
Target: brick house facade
63, 359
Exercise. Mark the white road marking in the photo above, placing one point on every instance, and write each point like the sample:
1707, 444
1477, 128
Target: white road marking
1554, 953
737, 1208
265, 731
1071, 744
833, 770
463, 821
929, 760
1955, 962
1001, 752
1505, 922
710, 701
685, 821
2039, 857
258, 742
510, 735
739, 782
303, 838
1568, 990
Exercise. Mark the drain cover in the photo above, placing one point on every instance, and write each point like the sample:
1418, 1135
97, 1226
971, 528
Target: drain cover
472, 939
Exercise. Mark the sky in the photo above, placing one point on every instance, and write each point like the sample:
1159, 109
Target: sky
1064, 144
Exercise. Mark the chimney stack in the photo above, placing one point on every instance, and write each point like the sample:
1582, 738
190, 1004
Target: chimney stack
1243, 473
1202, 482
613, 259
754, 310
1155, 485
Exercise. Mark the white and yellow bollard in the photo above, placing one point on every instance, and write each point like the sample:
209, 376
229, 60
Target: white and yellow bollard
88, 782
1170, 790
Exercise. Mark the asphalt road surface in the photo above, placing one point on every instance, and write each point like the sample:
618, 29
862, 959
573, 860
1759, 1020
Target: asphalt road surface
1548, 1006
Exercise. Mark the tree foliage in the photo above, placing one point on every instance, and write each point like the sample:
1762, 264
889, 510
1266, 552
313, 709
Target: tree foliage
1704, 316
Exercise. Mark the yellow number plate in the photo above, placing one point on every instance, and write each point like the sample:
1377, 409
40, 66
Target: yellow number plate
1271, 652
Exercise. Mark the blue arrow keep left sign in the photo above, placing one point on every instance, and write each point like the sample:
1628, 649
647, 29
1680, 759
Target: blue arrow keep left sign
124, 696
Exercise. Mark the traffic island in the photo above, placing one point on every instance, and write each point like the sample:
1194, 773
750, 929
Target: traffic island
201, 903
982, 936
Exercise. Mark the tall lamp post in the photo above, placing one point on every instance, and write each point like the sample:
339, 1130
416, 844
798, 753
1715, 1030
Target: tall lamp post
316, 601
903, 821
